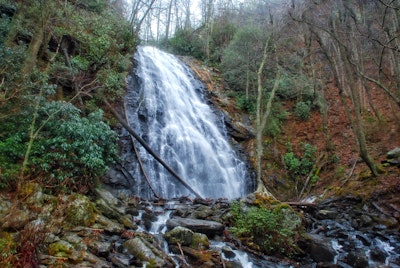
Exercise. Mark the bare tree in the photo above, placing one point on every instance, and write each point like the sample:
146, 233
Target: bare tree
140, 9
335, 34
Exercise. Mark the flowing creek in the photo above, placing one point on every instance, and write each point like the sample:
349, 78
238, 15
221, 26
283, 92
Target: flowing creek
166, 105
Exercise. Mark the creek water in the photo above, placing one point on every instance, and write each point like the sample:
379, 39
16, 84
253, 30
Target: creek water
166, 106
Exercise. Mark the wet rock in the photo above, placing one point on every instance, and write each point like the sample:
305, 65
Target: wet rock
101, 249
378, 255
321, 249
365, 221
116, 178
210, 228
326, 214
109, 226
357, 259
366, 241
108, 204
238, 131
128, 222
186, 237
119, 260
148, 218
91, 260
203, 212
228, 252
200, 241
181, 235
146, 253
201, 258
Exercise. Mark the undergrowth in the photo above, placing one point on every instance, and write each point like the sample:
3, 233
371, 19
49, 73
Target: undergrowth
273, 230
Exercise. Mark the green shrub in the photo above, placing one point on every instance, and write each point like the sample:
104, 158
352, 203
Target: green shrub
272, 230
245, 104
69, 151
303, 110
301, 165
184, 42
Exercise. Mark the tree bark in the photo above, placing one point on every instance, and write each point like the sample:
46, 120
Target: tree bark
262, 117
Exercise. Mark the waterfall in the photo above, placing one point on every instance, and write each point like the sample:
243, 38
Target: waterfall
166, 106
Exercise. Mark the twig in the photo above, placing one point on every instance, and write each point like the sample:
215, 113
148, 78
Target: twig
351, 174
180, 249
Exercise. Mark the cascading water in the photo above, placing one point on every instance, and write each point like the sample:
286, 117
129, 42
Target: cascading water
165, 106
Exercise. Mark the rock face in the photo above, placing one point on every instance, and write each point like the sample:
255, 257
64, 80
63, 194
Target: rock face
210, 228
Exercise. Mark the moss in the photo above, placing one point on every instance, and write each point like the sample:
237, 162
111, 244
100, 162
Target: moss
80, 211
7, 247
265, 201
200, 241
60, 249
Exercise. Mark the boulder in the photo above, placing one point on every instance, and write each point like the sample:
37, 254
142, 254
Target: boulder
209, 228
321, 249
357, 259
147, 253
110, 205
186, 237
377, 254
181, 235
109, 226
392, 154
80, 211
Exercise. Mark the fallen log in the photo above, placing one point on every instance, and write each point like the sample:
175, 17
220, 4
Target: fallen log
148, 149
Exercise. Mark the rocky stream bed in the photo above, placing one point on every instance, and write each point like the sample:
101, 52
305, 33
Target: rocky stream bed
106, 231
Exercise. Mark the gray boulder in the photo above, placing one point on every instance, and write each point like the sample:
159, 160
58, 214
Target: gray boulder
147, 253
209, 228
321, 249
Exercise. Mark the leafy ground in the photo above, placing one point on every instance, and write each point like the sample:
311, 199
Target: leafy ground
346, 174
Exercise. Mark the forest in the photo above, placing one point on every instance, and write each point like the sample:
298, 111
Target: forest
318, 79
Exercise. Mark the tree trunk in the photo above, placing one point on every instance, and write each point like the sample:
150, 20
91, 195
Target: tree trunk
33, 51
262, 117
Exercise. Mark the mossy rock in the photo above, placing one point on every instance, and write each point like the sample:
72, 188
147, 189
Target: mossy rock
80, 211
200, 241
60, 249
181, 235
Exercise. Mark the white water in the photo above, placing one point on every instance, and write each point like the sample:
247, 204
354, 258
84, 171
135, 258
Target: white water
165, 106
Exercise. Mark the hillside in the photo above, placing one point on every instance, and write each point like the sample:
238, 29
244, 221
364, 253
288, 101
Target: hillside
347, 175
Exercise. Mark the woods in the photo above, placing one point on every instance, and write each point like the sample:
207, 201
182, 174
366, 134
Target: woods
313, 84
350, 43
57, 61
280, 60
